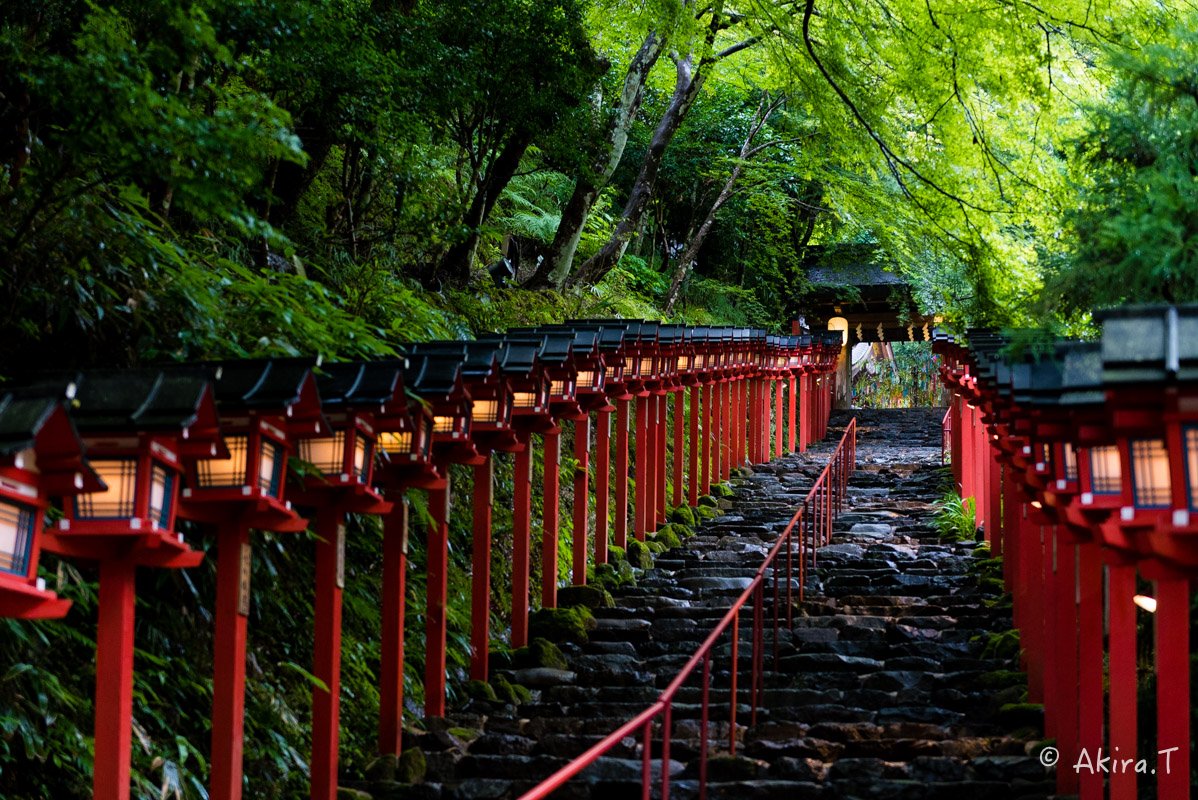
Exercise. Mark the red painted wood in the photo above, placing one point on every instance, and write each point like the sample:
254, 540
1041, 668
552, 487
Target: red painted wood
955, 438
717, 434
1172, 632
521, 540
696, 395
1090, 692
804, 413
790, 427
436, 624
326, 659
395, 564
639, 511
1121, 658
663, 449
621, 512
1032, 632
1064, 645
602, 494
726, 426
549, 519
647, 458
754, 421
480, 570
114, 681
994, 520
705, 487
679, 445
778, 419
228, 659
1047, 636
738, 410
582, 441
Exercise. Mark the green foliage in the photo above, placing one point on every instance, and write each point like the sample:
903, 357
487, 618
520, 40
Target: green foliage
1132, 235
956, 521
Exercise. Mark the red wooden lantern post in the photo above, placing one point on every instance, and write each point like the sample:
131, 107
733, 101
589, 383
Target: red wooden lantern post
140, 427
405, 438
264, 406
683, 367
591, 397
696, 381
530, 414
344, 459
40, 457
611, 344
1150, 366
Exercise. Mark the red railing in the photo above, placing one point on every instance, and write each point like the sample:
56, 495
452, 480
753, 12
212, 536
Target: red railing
813, 520
946, 435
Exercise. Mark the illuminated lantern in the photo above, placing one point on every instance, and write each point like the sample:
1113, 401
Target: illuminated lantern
40, 457
139, 429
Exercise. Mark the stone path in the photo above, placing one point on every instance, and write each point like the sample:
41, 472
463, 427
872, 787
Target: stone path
887, 687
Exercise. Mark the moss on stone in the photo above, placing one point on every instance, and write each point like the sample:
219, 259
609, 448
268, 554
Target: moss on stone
706, 512
683, 515
639, 555
411, 766
616, 554
479, 690
503, 690
1002, 679
707, 501
544, 653
667, 538
721, 490
590, 596
561, 624
1019, 715
655, 547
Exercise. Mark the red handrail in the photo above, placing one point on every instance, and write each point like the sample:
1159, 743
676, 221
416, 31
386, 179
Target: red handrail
946, 432
823, 504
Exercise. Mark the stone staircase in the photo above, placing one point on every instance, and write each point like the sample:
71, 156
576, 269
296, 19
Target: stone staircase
880, 690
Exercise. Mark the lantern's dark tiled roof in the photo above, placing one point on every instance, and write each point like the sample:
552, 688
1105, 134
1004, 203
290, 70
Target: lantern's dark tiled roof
361, 383
135, 399
430, 376
1187, 342
22, 418
260, 383
1139, 343
1081, 382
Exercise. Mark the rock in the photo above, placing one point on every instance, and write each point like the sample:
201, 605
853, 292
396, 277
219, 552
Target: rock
499, 658
706, 512
734, 768
798, 769
615, 554
683, 516
829, 662
626, 770
481, 789
539, 677
667, 538
589, 596
505, 691
655, 547
503, 744
382, 768
639, 555
561, 624
344, 793
480, 690
394, 790
1022, 715
721, 490
411, 766
707, 501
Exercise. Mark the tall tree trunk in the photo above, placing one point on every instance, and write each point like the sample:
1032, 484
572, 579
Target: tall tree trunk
688, 83
556, 267
747, 151
456, 263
